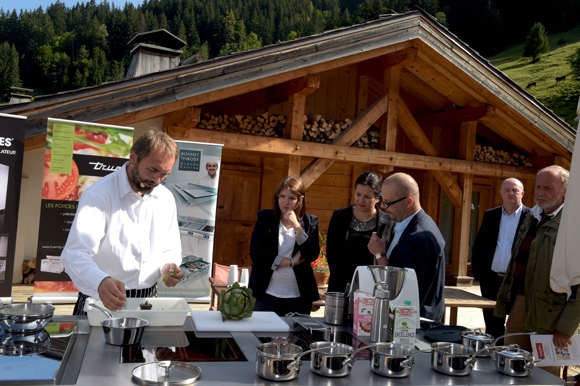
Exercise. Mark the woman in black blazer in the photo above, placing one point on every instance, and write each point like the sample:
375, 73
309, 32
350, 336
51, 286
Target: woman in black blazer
350, 231
284, 243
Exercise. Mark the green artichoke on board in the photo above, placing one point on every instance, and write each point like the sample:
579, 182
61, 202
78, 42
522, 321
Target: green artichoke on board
236, 302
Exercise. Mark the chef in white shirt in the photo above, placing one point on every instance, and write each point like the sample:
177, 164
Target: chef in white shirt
211, 180
125, 234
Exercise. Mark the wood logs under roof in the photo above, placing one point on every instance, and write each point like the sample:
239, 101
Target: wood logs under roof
488, 154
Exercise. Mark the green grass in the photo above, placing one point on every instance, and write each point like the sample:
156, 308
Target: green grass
562, 97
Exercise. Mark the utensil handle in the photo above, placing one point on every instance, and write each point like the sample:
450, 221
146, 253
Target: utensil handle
104, 310
351, 359
514, 334
295, 364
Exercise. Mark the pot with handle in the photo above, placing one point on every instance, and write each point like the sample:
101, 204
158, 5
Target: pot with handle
334, 359
121, 331
280, 362
453, 358
24, 318
479, 341
393, 360
513, 361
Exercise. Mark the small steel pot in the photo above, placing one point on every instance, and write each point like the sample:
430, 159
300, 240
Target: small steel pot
334, 359
279, 362
24, 344
478, 340
484, 343
513, 361
122, 331
23, 318
393, 360
452, 358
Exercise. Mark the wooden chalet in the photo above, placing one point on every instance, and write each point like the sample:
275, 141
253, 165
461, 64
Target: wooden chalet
400, 93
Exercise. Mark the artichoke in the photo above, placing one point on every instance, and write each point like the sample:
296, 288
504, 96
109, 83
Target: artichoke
236, 302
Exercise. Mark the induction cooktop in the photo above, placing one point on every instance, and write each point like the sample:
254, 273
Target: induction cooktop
182, 346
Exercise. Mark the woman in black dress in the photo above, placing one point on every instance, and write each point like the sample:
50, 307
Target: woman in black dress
350, 231
284, 243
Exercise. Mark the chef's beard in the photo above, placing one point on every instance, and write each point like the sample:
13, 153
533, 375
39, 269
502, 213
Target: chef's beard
137, 182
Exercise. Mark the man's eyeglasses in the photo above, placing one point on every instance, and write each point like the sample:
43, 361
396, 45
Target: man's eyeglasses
387, 204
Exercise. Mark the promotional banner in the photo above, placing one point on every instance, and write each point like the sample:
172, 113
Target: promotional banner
77, 154
12, 130
194, 184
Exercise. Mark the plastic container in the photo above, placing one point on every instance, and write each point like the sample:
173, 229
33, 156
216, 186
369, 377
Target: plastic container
165, 311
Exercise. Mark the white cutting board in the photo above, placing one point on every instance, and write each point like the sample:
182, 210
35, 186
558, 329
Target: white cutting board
259, 321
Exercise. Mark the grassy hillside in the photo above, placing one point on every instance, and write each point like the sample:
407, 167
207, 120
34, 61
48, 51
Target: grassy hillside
562, 97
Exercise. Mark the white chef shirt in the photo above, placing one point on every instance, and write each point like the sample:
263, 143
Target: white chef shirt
118, 233
508, 226
208, 181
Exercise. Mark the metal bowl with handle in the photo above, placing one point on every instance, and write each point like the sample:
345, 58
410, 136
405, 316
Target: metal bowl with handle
393, 360
334, 359
280, 362
23, 318
453, 358
122, 331
513, 361
479, 341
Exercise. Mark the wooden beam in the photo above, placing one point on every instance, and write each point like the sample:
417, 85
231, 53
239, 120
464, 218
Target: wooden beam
267, 187
513, 135
453, 117
389, 124
431, 97
34, 143
421, 142
139, 114
563, 162
347, 138
363, 94
292, 165
462, 220
188, 118
280, 146
305, 85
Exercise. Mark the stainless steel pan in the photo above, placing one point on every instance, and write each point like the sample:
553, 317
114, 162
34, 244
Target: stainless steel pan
23, 318
122, 331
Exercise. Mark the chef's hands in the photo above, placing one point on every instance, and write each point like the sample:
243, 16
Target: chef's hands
171, 280
112, 293
297, 258
561, 340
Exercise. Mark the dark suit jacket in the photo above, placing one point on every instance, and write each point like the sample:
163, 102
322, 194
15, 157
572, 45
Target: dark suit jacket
484, 248
264, 249
421, 247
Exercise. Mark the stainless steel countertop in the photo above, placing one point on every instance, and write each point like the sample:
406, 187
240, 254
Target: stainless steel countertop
101, 367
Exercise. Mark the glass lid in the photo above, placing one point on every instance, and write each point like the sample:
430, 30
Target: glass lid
166, 373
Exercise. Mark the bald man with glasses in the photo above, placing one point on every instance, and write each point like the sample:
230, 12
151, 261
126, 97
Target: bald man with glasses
416, 242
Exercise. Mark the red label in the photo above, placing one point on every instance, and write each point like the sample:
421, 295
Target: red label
406, 312
540, 350
368, 302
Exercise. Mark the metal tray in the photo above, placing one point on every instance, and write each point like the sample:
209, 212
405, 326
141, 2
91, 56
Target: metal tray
166, 373
307, 322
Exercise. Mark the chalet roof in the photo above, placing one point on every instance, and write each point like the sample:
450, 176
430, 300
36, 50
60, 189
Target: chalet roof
203, 82
161, 37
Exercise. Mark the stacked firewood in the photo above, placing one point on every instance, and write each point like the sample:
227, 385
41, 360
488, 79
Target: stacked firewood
265, 124
28, 271
488, 154
316, 128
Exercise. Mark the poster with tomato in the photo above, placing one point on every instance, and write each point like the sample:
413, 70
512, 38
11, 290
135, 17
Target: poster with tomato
12, 131
77, 154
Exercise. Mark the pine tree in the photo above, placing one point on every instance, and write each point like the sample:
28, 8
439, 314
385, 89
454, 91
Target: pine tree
536, 43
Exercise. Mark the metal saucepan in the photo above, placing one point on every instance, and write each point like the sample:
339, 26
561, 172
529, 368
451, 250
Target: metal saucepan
453, 358
279, 362
393, 360
334, 359
513, 361
479, 341
121, 331
24, 344
23, 318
